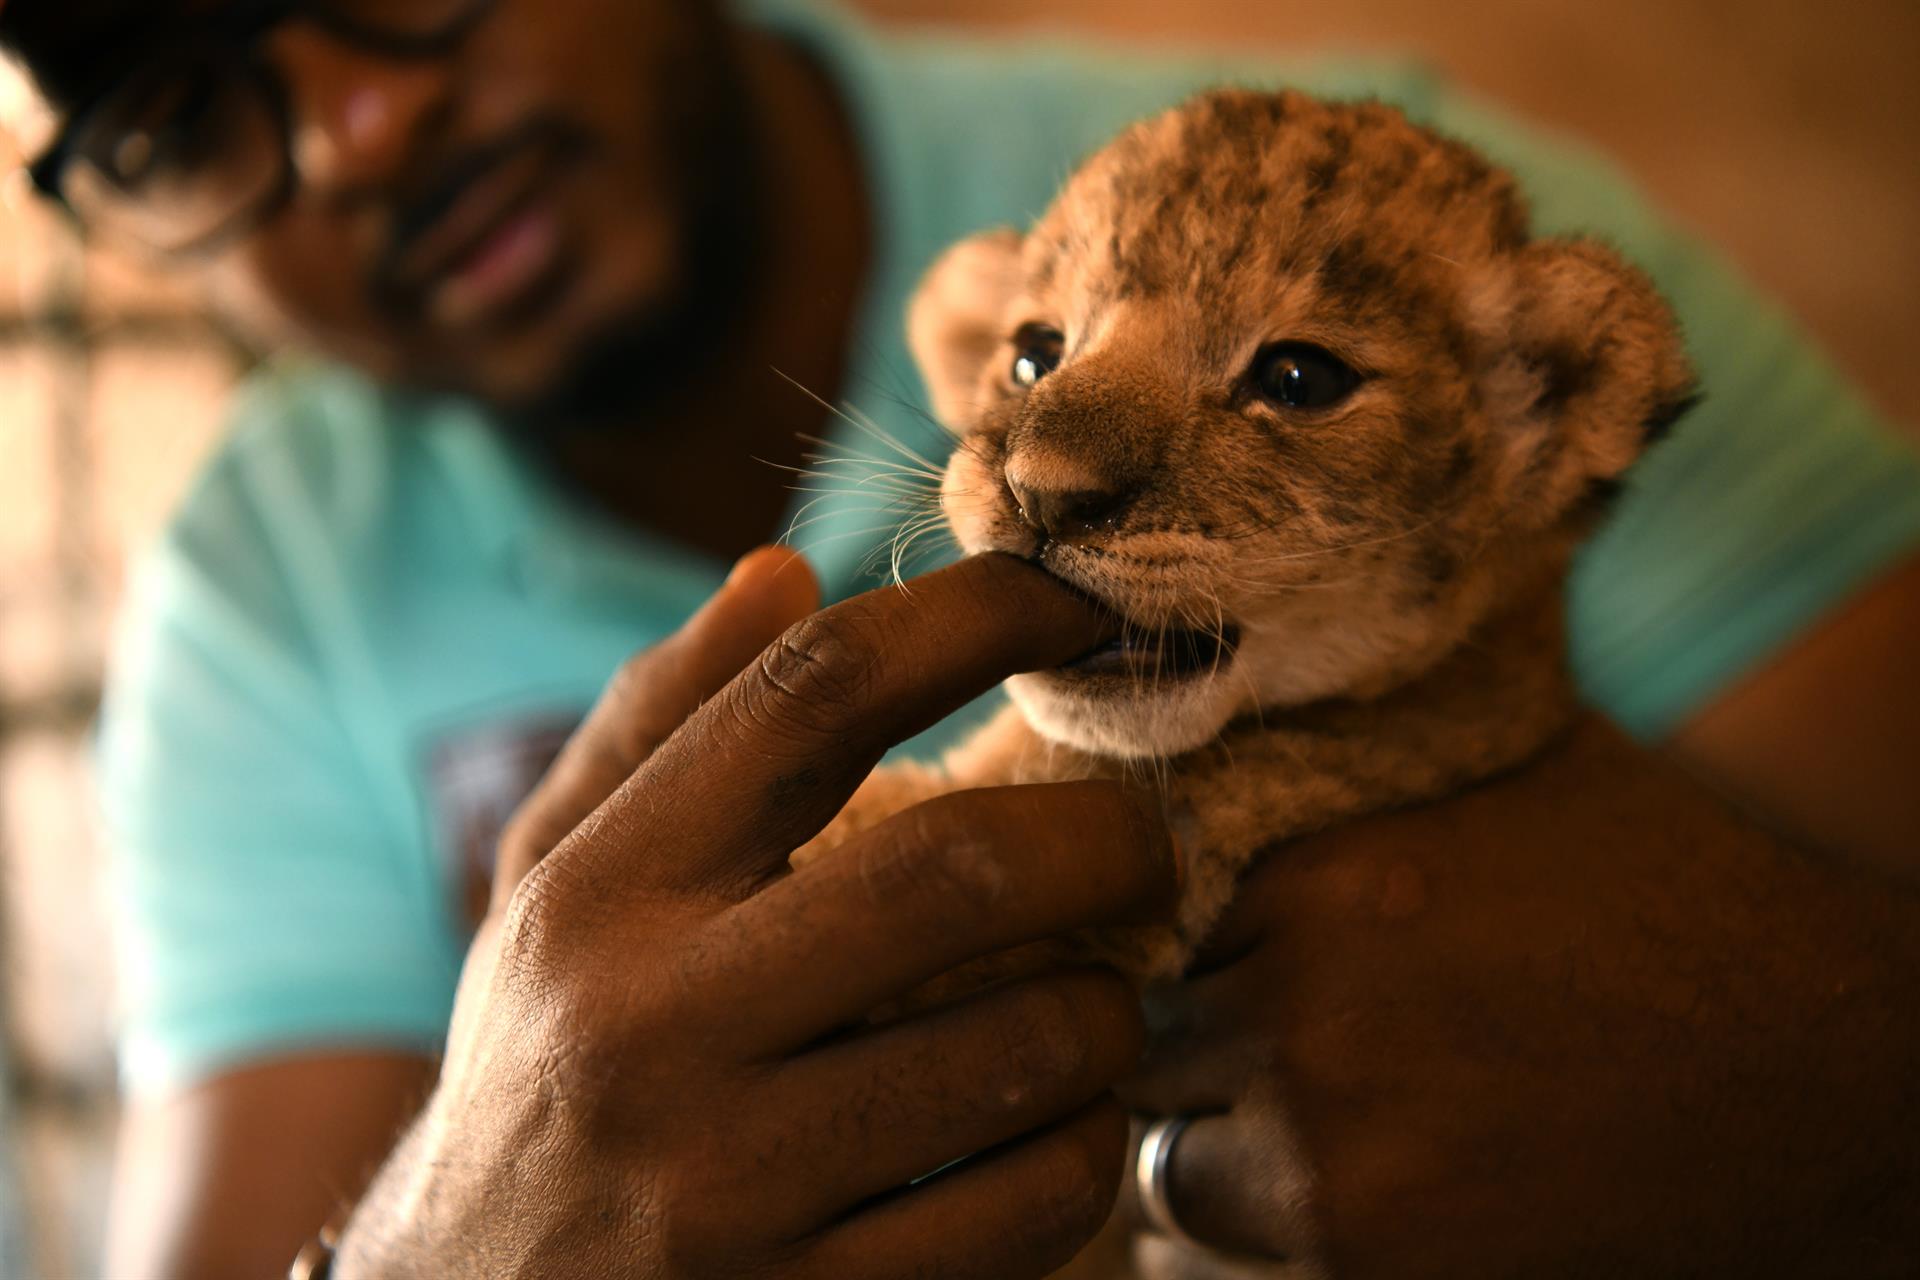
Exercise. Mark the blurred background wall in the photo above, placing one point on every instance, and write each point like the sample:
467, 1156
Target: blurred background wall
110, 387
1784, 132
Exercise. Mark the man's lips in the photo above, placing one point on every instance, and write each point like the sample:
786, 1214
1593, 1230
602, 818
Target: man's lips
482, 238
507, 263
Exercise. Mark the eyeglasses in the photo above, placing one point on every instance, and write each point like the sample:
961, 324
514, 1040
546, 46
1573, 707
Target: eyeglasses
189, 148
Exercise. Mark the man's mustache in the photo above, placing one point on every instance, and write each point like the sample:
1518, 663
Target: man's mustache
398, 289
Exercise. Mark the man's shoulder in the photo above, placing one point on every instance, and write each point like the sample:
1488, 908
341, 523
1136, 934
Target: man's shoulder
1022, 114
968, 129
307, 445
1083, 88
315, 483
313, 425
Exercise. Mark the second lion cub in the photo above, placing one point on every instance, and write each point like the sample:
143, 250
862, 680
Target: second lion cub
1292, 388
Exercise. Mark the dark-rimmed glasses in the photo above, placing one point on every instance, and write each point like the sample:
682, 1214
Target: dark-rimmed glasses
187, 147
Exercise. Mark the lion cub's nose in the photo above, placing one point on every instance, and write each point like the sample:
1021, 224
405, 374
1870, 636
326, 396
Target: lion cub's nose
1065, 515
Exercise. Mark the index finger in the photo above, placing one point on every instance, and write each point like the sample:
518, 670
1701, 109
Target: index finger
762, 767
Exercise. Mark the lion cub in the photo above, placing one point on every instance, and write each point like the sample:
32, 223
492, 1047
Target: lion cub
1290, 386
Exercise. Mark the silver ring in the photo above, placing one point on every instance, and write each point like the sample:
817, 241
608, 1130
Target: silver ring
1150, 1176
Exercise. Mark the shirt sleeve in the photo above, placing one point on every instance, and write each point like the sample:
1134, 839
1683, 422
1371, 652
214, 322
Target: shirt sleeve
1780, 496
264, 896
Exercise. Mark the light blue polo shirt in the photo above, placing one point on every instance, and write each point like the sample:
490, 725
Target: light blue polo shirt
368, 626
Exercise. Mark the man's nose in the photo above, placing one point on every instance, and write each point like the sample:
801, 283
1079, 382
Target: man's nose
356, 116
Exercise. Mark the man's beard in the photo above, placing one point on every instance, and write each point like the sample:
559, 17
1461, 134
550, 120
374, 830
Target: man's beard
653, 353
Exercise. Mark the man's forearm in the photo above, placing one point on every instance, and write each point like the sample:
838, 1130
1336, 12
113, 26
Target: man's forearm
1822, 741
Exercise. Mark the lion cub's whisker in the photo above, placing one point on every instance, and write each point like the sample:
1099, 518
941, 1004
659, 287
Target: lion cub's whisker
861, 422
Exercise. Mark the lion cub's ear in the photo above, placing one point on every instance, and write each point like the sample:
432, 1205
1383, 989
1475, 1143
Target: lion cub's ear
1589, 367
955, 321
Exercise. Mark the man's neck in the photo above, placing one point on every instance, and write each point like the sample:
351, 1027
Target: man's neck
697, 470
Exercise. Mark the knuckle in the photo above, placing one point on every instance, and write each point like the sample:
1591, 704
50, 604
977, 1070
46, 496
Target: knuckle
533, 831
820, 672
549, 938
531, 933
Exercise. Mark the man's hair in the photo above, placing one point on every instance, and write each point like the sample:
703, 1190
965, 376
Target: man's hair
66, 46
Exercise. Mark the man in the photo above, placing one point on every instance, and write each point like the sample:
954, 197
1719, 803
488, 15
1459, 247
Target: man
1591, 1019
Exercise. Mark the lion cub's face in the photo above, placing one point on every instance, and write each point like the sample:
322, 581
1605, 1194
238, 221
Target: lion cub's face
1289, 386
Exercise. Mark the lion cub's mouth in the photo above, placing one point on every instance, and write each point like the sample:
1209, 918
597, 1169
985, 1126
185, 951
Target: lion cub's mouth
1159, 655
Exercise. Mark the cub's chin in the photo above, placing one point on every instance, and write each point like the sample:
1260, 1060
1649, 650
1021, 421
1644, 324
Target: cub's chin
1137, 700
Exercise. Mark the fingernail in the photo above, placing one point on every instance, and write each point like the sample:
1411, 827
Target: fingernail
754, 557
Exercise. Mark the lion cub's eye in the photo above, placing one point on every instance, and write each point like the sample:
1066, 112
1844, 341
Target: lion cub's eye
1036, 352
1302, 376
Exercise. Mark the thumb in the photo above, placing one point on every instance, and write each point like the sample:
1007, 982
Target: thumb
769, 590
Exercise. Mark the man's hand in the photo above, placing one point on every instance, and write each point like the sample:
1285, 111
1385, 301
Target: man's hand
652, 695
658, 1064
227, 1177
1575, 1023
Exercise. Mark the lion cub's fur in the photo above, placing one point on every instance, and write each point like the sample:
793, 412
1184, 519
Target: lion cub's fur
1393, 564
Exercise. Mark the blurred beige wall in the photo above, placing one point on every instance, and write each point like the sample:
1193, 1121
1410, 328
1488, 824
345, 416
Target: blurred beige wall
1787, 132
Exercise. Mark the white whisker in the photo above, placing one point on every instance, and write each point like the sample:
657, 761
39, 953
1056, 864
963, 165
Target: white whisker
861, 422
